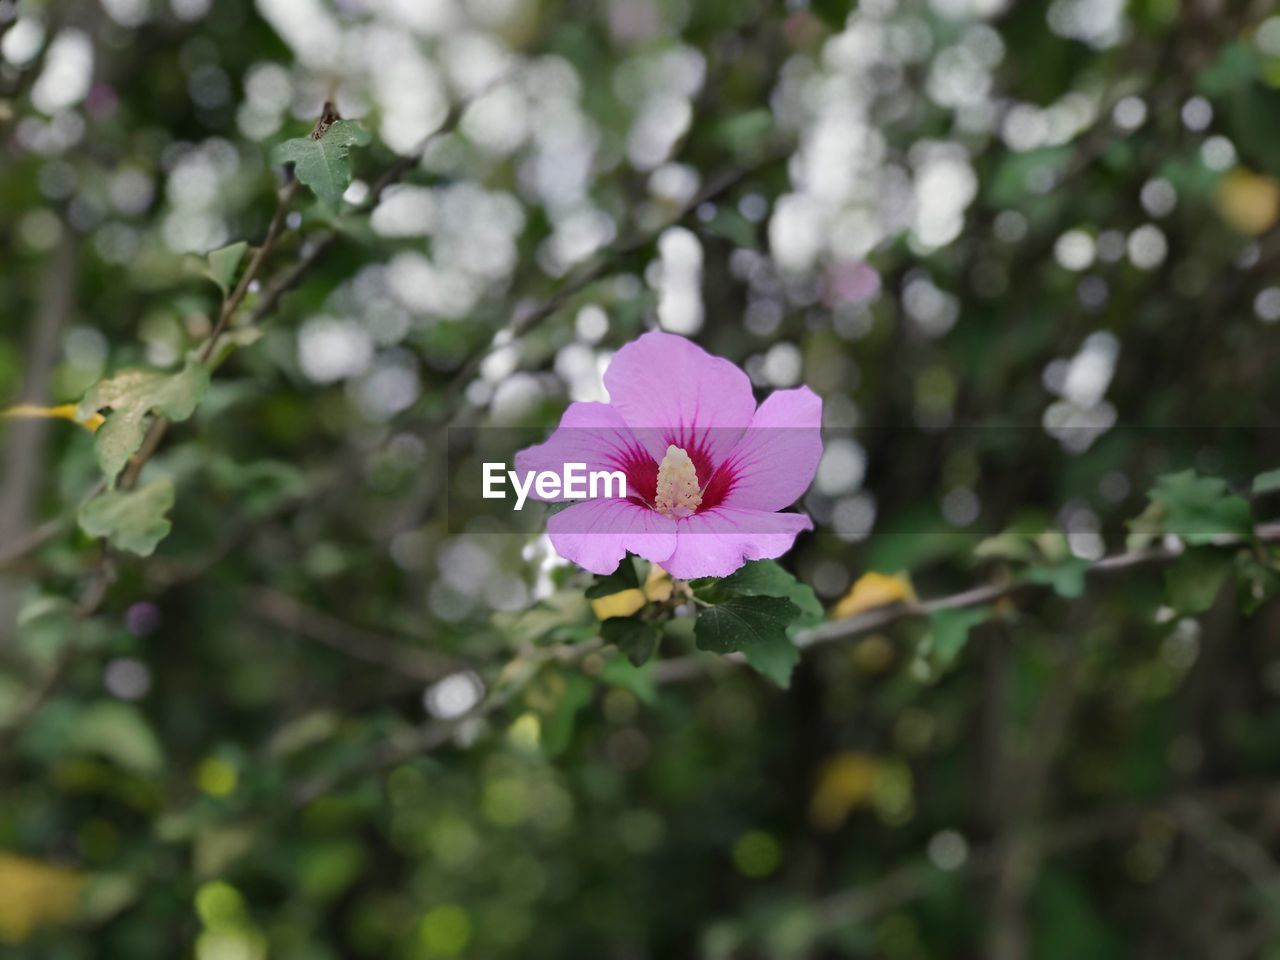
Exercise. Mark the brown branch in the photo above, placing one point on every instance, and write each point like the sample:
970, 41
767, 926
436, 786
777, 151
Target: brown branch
23, 455
908, 882
160, 426
359, 643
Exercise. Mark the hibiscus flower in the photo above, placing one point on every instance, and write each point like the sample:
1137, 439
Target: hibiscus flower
707, 471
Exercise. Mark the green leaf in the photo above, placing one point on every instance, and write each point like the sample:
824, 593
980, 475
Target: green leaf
756, 626
1200, 509
232, 340
627, 577
732, 226
1268, 482
1066, 578
1193, 581
1257, 583
130, 396
746, 131
950, 631
634, 679
118, 732
1008, 545
765, 578
758, 578
636, 638
221, 265
133, 520
324, 165
557, 729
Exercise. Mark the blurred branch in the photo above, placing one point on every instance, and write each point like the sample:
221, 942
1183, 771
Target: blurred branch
601, 266
23, 454
359, 643
1027, 764
908, 882
1233, 846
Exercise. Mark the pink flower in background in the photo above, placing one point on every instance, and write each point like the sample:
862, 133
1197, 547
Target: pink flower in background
707, 470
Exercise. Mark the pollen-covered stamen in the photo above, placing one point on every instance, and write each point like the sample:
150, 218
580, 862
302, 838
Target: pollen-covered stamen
678, 494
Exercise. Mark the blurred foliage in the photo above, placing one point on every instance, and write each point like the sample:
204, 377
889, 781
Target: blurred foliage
264, 699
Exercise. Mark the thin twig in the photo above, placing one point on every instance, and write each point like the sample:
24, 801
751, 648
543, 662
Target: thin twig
912, 880
359, 643
318, 246
601, 266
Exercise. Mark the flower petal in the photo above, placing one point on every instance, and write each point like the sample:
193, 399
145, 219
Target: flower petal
717, 542
597, 534
670, 390
590, 433
774, 462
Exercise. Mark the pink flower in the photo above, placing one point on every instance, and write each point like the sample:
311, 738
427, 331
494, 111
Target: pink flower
707, 470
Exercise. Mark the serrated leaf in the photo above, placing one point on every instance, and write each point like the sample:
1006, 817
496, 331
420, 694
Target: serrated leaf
950, 631
324, 165
1066, 578
1265, 483
135, 520
1200, 509
765, 578
131, 396
221, 265
1193, 581
636, 638
755, 626
757, 578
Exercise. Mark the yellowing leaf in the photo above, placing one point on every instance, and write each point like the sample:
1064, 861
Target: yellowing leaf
847, 781
658, 585
34, 894
874, 590
525, 732
1248, 201
622, 604
133, 394
66, 411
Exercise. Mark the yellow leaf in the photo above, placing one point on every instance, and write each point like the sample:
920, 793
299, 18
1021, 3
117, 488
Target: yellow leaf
847, 781
622, 604
66, 411
34, 894
658, 585
874, 590
1249, 201
525, 731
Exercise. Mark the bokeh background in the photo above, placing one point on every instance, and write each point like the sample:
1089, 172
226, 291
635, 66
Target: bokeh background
1025, 251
